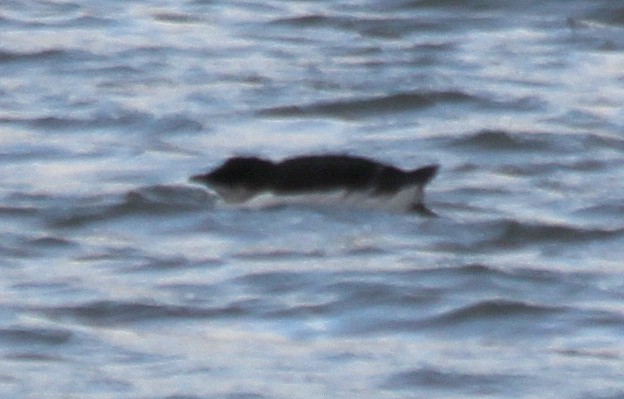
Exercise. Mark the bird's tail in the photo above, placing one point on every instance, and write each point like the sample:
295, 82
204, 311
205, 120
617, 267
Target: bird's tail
423, 175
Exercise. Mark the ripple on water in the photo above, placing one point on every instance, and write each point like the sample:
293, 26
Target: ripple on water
393, 103
147, 201
431, 378
495, 309
516, 233
41, 56
113, 312
505, 141
35, 335
503, 234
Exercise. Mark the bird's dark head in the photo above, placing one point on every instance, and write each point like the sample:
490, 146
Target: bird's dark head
249, 172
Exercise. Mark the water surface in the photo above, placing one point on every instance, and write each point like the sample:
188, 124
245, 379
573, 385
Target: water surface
119, 279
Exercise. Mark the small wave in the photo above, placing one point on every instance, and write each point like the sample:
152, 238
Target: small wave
11, 211
44, 55
185, 396
593, 318
176, 18
34, 336
150, 264
609, 14
508, 233
503, 141
117, 118
494, 309
78, 21
88, 21
602, 141
55, 122
582, 119
277, 282
367, 27
399, 102
39, 152
487, 278
477, 5
473, 269
309, 20
600, 353
482, 276
4, 20
166, 198
434, 378
119, 70
518, 233
541, 169
151, 200
177, 123
33, 357
51, 242
607, 210
120, 312
364, 296
243, 395
278, 254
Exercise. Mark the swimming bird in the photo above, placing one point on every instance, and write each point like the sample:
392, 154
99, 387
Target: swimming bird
351, 180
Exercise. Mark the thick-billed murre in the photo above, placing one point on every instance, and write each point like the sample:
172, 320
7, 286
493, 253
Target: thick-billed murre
349, 179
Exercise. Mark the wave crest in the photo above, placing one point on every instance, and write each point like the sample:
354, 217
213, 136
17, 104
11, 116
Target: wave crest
398, 102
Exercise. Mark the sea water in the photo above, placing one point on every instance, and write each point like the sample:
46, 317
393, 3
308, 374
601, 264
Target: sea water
120, 279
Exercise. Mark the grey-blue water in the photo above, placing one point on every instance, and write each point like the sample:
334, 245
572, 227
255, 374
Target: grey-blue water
119, 279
